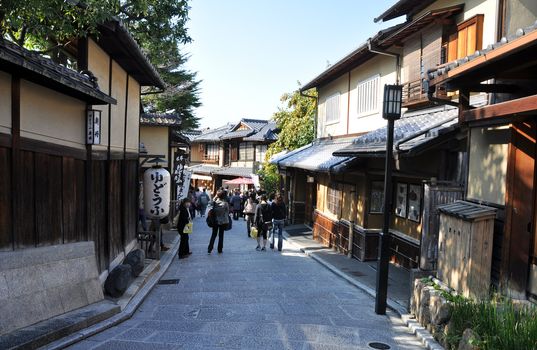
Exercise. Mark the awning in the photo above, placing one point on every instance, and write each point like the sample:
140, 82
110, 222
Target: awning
239, 181
413, 131
316, 156
202, 177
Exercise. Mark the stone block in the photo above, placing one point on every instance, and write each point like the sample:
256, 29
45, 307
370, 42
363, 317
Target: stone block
468, 336
424, 314
94, 290
118, 280
4, 291
24, 281
415, 298
54, 274
440, 309
73, 296
136, 259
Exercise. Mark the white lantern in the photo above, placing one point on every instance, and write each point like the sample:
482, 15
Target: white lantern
157, 192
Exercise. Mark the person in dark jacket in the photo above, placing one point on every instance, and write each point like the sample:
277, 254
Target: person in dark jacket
220, 209
235, 203
183, 218
279, 214
263, 221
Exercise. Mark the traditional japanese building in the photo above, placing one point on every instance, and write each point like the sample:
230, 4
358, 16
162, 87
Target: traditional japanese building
69, 171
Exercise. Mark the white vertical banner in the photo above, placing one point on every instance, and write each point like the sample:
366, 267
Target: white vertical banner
182, 177
255, 179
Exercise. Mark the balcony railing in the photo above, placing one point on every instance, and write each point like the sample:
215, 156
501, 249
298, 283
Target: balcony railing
209, 158
414, 94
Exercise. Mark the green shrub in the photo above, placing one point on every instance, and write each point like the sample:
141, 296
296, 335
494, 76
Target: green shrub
500, 324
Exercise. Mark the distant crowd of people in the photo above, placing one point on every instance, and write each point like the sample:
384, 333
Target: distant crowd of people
262, 213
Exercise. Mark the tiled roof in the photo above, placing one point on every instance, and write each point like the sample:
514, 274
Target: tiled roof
203, 169
160, 119
235, 171
403, 7
255, 125
212, 135
412, 130
434, 73
33, 66
316, 156
190, 135
237, 134
266, 133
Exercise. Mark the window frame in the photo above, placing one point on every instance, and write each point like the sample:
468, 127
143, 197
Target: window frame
246, 148
334, 198
370, 111
336, 120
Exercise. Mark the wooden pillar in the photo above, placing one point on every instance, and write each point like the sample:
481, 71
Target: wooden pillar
15, 154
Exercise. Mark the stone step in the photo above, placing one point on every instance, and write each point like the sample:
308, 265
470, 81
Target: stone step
44, 332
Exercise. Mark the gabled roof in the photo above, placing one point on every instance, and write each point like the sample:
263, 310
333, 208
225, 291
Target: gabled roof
412, 130
253, 126
351, 61
160, 119
36, 68
116, 40
404, 7
267, 133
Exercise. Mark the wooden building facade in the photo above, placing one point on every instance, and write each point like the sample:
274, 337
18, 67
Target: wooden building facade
55, 188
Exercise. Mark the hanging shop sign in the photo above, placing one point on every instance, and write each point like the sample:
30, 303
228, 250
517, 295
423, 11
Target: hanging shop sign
93, 127
157, 192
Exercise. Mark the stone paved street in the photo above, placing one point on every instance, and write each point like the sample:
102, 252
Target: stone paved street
245, 299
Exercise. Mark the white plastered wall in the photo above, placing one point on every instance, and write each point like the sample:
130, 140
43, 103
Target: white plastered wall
5, 103
50, 116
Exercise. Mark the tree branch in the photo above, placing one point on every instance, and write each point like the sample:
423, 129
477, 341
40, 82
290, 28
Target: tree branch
22, 37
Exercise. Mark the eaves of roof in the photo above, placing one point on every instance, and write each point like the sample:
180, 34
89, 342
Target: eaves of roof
116, 40
43, 71
403, 7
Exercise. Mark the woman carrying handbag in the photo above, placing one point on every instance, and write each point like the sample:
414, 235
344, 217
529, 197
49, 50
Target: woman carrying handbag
183, 221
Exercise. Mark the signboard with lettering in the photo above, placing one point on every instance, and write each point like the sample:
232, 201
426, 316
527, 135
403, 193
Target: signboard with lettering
157, 192
93, 127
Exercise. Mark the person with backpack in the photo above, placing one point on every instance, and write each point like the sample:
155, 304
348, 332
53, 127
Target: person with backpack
203, 201
219, 215
263, 221
235, 202
279, 214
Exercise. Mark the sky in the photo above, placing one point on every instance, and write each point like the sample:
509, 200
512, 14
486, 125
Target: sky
249, 52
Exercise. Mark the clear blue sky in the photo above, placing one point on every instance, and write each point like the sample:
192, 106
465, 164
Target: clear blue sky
249, 52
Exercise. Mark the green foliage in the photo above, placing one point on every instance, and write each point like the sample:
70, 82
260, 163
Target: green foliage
500, 324
159, 27
296, 121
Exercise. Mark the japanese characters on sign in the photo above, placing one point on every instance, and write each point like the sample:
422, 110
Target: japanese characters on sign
182, 177
157, 192
93, 133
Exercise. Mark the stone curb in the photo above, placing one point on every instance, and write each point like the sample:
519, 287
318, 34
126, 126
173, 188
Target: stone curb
126, 313
418, 330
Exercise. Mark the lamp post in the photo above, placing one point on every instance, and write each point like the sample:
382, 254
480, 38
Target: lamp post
391, 111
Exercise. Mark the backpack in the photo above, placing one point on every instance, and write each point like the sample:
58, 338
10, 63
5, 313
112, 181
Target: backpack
266, 213
204, 199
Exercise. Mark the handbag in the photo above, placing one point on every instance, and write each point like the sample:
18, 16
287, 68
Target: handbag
229, 225
211, 220
253, 232
188, 228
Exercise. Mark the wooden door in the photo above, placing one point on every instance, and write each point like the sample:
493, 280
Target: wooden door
520, 207
311, 202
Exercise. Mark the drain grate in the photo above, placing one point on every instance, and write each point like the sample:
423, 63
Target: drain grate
170, 281
378, 345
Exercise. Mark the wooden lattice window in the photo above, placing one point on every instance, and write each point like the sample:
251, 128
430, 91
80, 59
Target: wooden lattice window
333, 199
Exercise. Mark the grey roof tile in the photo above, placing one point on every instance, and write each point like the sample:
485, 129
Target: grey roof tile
160, 119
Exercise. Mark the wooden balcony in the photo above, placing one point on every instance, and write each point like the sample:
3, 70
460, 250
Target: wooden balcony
207, 158
415, 96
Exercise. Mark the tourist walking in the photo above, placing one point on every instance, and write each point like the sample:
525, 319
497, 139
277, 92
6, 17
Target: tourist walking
279, 214
235, 202
220, 212
181, 220
263, 221
249, 212
203, 201
194, 203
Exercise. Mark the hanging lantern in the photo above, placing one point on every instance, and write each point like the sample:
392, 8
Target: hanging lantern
157, 192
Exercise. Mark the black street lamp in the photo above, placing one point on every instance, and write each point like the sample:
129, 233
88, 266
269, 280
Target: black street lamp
391, 111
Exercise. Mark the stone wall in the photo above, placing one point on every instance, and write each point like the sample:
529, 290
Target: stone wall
40, 283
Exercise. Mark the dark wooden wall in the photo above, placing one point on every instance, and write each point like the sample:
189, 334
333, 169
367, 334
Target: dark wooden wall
54, 202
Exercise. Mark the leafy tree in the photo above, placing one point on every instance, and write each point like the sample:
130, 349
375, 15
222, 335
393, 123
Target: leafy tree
159, 26
296, 122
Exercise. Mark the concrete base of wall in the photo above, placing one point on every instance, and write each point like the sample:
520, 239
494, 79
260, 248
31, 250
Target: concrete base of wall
40, 283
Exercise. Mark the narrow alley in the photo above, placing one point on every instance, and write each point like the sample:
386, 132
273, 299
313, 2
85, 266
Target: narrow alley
246, 299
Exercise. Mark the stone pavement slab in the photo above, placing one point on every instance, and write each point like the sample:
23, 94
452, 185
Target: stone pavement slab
246, 299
